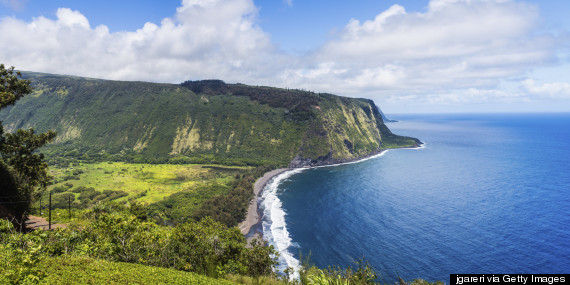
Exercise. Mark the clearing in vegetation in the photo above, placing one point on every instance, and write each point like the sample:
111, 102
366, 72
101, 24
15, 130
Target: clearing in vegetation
143, 183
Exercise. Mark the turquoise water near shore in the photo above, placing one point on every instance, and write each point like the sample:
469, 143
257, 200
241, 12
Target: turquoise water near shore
489, 193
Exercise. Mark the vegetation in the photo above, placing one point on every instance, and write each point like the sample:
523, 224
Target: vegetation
112, 233
197, 122
100, 271
143, 183
230, 209
22, 172
159, 175
110, 245
173, 193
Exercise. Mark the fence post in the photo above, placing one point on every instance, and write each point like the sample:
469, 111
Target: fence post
49, 225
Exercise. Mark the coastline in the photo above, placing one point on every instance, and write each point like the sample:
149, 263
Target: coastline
253, 216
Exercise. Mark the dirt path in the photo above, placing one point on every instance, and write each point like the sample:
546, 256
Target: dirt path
35, 223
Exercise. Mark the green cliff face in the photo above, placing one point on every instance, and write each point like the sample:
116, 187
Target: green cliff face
346, 129
202, 121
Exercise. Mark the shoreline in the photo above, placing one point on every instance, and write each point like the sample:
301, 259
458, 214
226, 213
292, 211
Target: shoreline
253, 216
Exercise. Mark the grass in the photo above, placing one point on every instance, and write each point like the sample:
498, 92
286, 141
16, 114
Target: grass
85, 270
147, 183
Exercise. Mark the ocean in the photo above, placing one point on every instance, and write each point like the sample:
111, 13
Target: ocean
488, 193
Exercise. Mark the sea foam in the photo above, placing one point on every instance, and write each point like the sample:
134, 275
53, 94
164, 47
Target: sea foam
273, 218
274, 225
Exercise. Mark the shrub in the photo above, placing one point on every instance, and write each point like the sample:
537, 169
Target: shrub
61, 200
59, 189
206, 246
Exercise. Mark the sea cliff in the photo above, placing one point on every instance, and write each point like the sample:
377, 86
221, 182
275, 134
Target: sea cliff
199, 122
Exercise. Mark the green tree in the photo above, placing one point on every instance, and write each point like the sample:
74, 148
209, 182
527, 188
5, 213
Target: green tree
23, 173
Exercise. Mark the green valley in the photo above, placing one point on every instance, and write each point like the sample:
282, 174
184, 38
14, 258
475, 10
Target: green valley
145, 183
161, 174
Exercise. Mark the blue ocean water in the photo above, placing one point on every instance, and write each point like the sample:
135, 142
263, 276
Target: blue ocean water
489, 193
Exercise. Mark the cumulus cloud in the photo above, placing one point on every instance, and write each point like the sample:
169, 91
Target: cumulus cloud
455, 44
205, 39
451, 51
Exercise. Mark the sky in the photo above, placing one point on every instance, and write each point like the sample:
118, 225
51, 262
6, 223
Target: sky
409, 56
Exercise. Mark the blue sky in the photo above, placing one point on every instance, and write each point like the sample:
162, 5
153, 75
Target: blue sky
408, 56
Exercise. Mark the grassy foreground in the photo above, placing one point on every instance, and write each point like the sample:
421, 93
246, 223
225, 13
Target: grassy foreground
85, 270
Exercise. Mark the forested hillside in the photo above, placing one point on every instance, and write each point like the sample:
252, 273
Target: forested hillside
198, 122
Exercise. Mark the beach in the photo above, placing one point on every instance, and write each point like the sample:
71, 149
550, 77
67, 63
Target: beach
252, 217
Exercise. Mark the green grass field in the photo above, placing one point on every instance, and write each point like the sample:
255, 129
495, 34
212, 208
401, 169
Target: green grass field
84, 270
147, 183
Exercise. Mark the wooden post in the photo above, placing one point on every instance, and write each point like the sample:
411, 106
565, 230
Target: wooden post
49, 224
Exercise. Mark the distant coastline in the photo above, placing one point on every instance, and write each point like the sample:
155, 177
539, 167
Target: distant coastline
252, 222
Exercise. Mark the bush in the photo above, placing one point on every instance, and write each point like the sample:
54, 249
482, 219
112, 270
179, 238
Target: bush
61, 200
59, 189
210, 248
88, 194
231, 208
6, 228
363, 274
112, 233
80, 189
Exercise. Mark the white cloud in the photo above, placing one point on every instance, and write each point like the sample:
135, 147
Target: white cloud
458, 97
288, 2
68, 18
455, 44
553, 90
205, 39
455, 51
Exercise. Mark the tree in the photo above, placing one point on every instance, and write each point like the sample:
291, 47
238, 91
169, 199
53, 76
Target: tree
23, 173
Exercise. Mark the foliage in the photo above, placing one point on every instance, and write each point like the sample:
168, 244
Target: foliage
111, 233
299, 103
22, 171
362, 274
225, 204
182, 206
143, 183
21, 254
145, 124
105, 272
228, 209
196, 122
221, 192
11, 87
72, 269
100, 246
122, 237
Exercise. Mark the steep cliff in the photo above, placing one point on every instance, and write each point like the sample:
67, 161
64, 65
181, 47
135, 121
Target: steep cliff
199, 121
